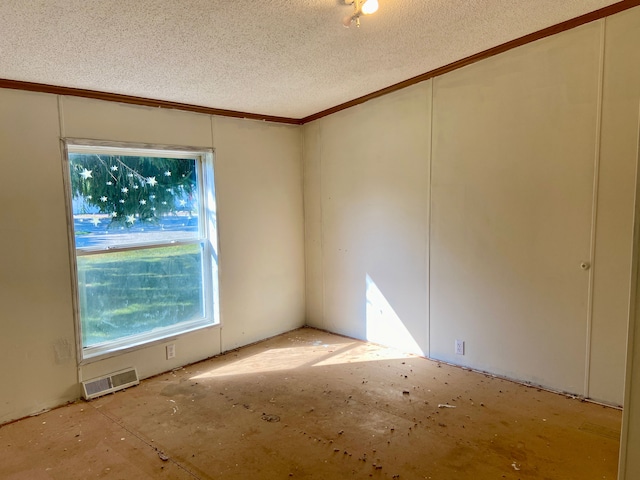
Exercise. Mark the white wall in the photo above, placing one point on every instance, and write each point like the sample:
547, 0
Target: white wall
366, 200
621, 137
629, 465
38, 364
525, 162
259, 191
621, 95
259, 179
512, 192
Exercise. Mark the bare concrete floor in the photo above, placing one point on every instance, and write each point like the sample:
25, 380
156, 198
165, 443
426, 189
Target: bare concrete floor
309, 404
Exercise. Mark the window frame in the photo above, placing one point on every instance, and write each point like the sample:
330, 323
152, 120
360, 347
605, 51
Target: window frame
207, 236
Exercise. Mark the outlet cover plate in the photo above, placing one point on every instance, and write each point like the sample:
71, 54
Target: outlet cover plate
171, 351
459, 347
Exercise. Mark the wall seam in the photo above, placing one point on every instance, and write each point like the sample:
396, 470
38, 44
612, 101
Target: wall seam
594, 212
429, 221
323, 321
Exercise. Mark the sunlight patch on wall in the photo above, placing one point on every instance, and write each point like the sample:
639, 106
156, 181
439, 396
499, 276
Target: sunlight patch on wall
384, 326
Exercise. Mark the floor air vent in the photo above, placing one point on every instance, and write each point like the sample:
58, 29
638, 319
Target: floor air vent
110, 383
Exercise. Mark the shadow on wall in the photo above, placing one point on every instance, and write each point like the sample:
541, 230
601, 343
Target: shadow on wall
383, 325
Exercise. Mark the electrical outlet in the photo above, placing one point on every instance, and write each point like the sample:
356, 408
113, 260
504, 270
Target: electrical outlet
171, 351
459, 347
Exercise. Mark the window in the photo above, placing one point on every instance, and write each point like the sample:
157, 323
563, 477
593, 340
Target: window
144, 225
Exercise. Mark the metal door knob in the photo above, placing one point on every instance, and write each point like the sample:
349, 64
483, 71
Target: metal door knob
585, 265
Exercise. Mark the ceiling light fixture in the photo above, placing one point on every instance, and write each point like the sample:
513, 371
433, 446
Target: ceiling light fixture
360, 7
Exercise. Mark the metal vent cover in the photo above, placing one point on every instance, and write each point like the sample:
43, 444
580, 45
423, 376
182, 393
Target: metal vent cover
110, 383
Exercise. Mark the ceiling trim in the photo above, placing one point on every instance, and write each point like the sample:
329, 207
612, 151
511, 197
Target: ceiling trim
149, 102
518, 42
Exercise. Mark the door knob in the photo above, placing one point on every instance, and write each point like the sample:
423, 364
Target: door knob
585, 265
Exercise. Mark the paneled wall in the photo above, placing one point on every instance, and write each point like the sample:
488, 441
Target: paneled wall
259, 191
618, 149
38, 367
463, 208
514, 149
621, 137
367, 211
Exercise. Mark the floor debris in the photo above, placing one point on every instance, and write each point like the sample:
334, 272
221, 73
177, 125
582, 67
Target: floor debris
310, 393
270, 418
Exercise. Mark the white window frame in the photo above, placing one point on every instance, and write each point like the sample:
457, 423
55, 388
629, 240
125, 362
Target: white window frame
207, 236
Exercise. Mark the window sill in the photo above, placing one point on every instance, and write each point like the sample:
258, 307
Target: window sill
96, 354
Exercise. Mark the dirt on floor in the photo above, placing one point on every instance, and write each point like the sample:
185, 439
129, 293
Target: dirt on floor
312, 405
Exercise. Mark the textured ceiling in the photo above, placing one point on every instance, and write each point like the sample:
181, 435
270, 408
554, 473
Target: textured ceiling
288, 58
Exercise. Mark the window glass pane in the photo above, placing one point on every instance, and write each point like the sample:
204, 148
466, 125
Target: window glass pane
145, 244
137, 291
120, 200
